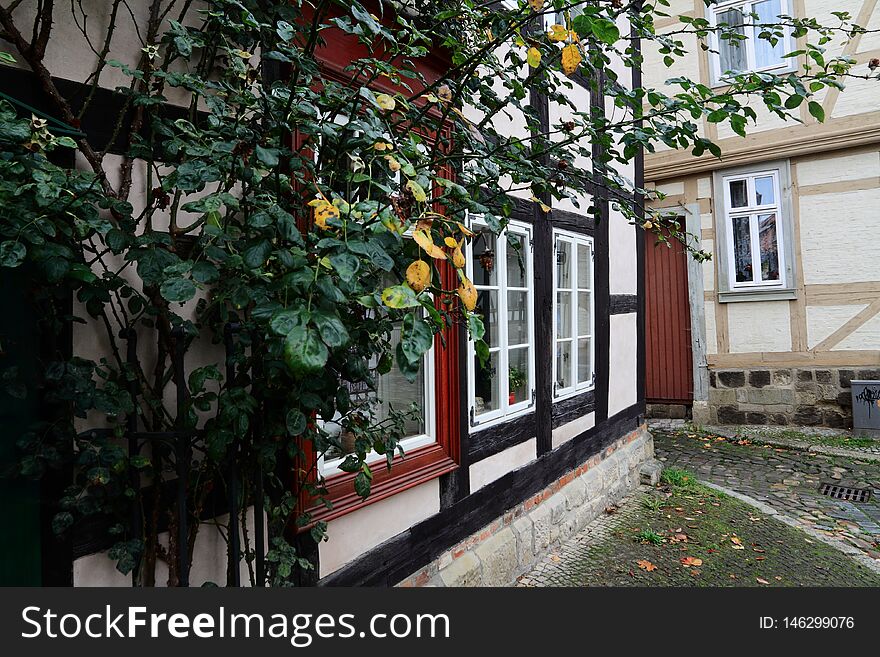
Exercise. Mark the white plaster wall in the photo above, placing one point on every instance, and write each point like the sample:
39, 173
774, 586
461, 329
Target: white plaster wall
565, 432
496, 466
837, 237
359, 531
209, 561
846, 166
866, 336
622, 254
622, 368
759, 326
709, 265
822, 321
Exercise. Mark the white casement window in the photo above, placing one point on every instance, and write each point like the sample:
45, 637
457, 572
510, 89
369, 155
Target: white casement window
501, 269
573, 314
751, 53
392, 391
753, 221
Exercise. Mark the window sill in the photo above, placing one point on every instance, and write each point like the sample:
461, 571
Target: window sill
779, 294
417, 467
479, 426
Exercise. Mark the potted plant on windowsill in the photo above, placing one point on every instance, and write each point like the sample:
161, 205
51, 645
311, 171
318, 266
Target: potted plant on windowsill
516, 379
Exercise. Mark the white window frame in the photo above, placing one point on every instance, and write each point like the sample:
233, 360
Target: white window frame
713, 11
328, 468
728, 290
505, 410
752, 210
574, 240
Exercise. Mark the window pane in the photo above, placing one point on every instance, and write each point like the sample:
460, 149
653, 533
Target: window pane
585, 263
769, 247
583, 318
484, 249
767, 54
563, 264
518, 375
764, 192
563, 364
732, 50
487, 306
517, 268
517, 318
486, 397
584, 372
742, 249
739, 196
563, 314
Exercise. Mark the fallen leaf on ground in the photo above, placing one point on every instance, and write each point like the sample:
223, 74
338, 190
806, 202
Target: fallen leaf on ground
644, 564
762, 581
555, 558
691, 561
610, 509
737, 543
760, 558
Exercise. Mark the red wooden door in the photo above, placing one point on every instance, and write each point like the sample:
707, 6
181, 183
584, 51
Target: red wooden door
669, 376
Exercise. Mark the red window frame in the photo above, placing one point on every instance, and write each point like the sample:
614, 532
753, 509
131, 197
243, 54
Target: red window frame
421, 464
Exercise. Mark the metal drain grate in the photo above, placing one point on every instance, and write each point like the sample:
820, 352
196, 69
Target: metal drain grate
845, 493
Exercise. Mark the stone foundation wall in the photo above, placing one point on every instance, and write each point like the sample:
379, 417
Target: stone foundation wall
513, 543
789, 396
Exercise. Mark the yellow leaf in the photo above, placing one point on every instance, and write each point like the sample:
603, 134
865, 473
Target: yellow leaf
691, 561
393, 164
644, 564
418, 275
417, 190
324, 210
557, 33
444, 93
386, 102
244, 54
458, 257
544, 207
467, 293
465, 230
534, 57
450, 242
537, 5
383, 146
571, 58
424, 240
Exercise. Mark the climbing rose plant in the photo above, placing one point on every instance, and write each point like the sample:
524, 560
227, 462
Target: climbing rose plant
316, 215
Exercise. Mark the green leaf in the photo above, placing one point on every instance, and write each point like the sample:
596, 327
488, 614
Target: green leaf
285, 321
12, 254
6, 58
178, 290
399, 296
416, 338
304, 352
331, 328
475, 327
346, 265
417, 190
817, 111
61, 522
605, 30
255, 256
793, 101
268, 156
204, 272
295, 422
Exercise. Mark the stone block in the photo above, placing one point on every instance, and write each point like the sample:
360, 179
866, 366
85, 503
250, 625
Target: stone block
765, 396
824, 376
540, 516
464, 571
804, 375
844, 399
650, 471
836, 419
777, 419
807, 416
713, 379
805, 398
827, 392
499, 557
868, 375
575, 493
756, 418
556, 504
781, 377
593, 481
732, 378
721, 396
846, 377
700, 413
524, 528
759, 378
730, 415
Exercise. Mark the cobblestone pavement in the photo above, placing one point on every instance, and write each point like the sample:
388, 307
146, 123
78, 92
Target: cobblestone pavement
694, 536
786, 479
